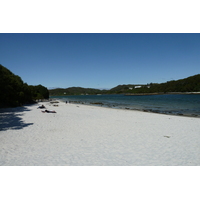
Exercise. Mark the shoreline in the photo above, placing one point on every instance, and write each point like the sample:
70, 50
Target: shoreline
170, 105
160, 93
130, 94
100, 104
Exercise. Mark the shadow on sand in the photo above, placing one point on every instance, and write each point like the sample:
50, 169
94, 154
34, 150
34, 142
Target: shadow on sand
11, 118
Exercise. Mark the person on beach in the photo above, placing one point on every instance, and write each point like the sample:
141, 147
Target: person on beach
49, 111
42, 106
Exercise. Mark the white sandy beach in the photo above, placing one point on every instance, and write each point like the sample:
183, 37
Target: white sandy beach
81, 135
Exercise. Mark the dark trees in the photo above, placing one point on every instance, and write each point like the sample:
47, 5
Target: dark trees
14, 92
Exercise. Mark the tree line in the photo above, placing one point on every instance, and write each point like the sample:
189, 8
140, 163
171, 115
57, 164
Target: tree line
190, 84
74, 91
14, 92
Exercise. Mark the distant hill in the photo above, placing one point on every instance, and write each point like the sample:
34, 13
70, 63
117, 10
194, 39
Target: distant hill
125, 88
14, 92
190, 84
74, 91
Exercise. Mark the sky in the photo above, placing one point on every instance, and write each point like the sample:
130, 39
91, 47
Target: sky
100, 60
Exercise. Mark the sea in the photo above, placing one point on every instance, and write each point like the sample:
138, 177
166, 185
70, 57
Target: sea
172, 104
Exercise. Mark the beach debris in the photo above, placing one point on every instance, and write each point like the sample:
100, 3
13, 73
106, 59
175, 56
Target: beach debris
54, 102
97, 103
48, 111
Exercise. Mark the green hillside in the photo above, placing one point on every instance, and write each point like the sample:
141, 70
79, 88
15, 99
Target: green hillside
75, 91
190, 84
14, 92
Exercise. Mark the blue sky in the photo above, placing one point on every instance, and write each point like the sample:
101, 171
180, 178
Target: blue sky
100, 60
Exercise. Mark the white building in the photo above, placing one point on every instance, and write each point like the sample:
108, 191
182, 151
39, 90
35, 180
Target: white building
138, 86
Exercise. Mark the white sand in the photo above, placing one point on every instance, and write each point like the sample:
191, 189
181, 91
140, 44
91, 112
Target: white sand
94, 136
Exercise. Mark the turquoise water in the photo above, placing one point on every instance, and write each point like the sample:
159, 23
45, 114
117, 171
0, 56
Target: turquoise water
178, 104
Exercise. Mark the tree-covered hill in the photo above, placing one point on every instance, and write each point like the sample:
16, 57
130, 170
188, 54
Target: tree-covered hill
190, 84
123, 89
75, 91
14, 92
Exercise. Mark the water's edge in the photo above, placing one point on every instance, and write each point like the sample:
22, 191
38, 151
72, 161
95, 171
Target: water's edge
115, 105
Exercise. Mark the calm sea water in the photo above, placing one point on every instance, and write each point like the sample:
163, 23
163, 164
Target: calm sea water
178, 104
